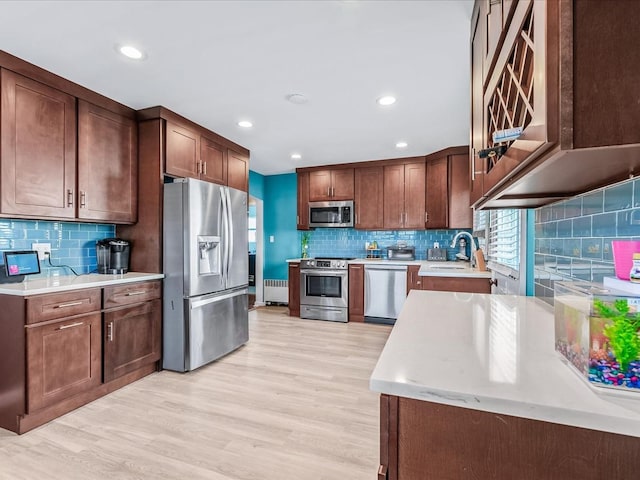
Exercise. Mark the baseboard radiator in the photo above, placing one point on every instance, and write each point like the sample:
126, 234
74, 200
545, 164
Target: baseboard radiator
276, 291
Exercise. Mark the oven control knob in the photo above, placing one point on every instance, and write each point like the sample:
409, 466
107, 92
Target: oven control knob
311, 263
343, 263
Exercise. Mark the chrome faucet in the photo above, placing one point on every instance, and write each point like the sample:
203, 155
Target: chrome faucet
454, 242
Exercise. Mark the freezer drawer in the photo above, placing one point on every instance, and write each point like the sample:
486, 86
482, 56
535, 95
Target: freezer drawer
211, 326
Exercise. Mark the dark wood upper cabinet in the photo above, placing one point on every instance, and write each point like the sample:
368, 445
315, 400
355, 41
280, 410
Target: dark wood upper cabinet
477, 104
302, 218
213, 161
437, 199
369, 198
329, 185
238, 170
404, 196
460, 213
393, 211
546, 75
37, 149
182, 151
414, 195
107, 165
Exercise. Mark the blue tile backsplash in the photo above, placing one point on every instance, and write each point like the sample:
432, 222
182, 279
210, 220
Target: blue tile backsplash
72, 244
347, 242
573, 238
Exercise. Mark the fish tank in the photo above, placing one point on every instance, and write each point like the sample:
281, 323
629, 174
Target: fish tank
597, 330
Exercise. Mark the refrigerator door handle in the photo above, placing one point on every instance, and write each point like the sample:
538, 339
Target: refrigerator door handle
225, 236
218, 298
230, 231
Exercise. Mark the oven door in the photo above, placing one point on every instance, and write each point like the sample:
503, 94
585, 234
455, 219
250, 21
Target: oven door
324, 288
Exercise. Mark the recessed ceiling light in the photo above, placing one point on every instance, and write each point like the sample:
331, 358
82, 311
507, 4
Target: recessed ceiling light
130, 51
386, 100
297, 98
245, 124
401, 145
296, 156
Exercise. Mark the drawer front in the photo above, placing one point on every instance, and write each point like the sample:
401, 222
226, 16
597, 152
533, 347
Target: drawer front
119, 295
41, 308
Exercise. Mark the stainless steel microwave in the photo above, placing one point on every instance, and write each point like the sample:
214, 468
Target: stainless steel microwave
331, 214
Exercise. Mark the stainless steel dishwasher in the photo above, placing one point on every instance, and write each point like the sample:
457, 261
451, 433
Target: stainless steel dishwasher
385, 289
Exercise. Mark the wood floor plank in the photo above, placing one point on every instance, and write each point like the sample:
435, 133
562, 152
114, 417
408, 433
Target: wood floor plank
293, 403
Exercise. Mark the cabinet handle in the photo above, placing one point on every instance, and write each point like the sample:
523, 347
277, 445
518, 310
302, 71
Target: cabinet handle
426, 217
354, 267
70, 304
69, 197
64, 327
382, 472
298, 219
204, 167
328, 191
473, 164
139, 292
83, 199
356, 218
333, 191
110, 329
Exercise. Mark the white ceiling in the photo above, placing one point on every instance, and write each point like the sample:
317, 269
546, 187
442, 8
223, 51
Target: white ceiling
217, 62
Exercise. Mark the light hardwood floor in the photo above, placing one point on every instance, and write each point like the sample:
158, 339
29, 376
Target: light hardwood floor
293, 403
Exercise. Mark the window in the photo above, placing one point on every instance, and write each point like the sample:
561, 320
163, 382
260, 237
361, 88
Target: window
498, 233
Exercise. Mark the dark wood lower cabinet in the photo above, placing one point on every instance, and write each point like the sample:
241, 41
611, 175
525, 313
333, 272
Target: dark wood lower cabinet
294, 289
457, 284
132, 338
63, 359
356, 293
424, 440
59, 351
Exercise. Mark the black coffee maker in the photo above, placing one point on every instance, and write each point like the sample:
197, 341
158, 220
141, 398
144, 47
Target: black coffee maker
113, 255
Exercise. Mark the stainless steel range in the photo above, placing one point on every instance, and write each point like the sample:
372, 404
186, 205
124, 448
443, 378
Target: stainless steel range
324, 289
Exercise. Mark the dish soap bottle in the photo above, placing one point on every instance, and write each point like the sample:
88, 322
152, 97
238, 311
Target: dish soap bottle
634, 275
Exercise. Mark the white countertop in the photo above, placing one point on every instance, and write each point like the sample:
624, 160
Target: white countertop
63, 283
427, 268
451, 269
494, 353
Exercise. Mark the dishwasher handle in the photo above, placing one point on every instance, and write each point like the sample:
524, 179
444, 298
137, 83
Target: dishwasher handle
398, 268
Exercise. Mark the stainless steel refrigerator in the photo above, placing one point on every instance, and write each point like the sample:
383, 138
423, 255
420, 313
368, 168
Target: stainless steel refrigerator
206, 273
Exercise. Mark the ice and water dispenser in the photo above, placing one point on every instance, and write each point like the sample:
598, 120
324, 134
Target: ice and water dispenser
209, 255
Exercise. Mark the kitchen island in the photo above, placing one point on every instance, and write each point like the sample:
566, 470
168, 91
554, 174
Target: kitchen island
472, 388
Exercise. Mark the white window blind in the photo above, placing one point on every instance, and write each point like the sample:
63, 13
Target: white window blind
504, 238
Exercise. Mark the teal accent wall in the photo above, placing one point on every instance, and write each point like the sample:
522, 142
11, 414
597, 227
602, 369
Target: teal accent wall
256, 185
280, 204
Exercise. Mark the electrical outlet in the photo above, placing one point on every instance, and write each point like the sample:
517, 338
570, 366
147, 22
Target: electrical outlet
42, 249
